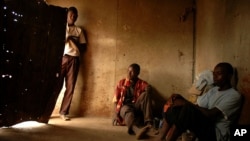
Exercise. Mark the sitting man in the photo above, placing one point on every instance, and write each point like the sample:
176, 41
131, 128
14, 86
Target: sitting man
211, 118
132, 102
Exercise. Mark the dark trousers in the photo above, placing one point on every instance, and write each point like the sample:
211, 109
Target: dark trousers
141, 109
189, 117
69, 71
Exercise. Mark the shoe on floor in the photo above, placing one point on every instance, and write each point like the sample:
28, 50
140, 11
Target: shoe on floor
142, 133
65, 117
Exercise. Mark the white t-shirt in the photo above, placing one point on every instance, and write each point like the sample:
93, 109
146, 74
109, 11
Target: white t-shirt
228, 102
70, 47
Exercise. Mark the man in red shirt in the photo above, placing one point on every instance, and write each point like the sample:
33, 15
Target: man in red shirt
132, 101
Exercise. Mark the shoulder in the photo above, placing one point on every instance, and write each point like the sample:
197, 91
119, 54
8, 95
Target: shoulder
212, 91
121, 81
76, 29
79, 29
233, 93
142, 82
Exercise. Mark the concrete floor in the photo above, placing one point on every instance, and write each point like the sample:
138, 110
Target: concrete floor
77, 129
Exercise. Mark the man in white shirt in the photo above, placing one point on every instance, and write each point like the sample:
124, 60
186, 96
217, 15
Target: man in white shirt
75, 41
213, 115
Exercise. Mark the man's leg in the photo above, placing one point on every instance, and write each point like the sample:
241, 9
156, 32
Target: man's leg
70, 81
60, 80
173, 133
163, 131
127, 113
191, 118
144, 104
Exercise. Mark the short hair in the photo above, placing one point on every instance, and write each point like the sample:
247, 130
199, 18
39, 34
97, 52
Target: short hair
226, 67
73, 9
136, 67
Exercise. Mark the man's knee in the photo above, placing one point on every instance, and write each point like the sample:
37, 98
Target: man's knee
126, 110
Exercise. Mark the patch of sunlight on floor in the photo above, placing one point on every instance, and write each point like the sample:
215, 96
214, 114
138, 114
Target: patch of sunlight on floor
28, 124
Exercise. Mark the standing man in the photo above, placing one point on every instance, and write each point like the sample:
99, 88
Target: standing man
75, 41
132, 101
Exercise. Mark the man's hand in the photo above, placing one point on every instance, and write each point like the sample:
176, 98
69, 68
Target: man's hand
177, 100
74, 39
176, 96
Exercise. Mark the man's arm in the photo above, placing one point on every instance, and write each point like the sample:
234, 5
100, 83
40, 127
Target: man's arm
213, 113
178, 100
82, 47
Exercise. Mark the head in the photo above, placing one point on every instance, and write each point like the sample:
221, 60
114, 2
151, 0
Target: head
133, 71
222, 74
72, 15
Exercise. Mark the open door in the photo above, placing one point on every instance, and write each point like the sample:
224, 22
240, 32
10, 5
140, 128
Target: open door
31, 47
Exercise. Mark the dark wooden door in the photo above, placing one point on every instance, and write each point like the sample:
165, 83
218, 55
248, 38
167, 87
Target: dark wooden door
31, 47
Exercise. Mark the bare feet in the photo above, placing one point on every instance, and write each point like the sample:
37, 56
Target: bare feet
142, 133
65, 117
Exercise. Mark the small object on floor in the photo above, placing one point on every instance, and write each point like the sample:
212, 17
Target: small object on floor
65, 117
142, 133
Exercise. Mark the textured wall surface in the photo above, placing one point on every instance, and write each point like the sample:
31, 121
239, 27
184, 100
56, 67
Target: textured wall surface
121, 32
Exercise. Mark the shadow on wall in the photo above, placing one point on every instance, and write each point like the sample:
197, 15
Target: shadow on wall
84, 71
244, 88
158, 103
